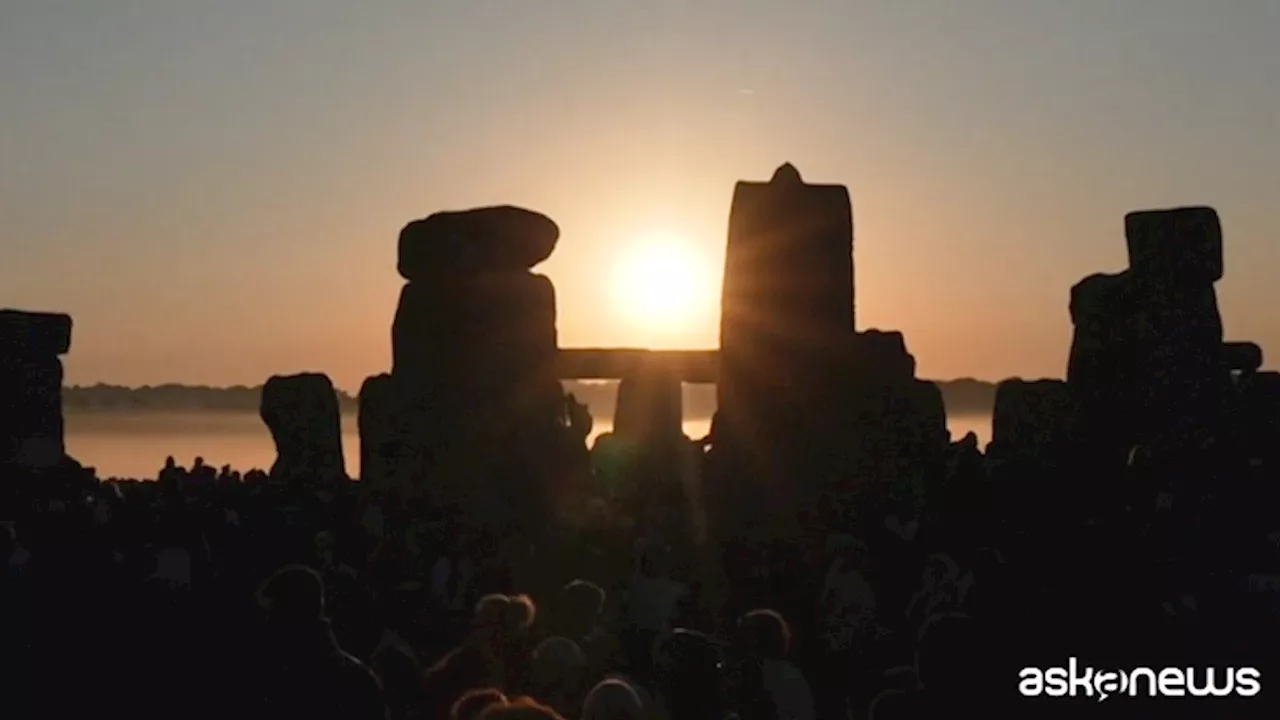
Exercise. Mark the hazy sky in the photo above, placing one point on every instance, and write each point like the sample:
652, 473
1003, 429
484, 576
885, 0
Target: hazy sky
213, 190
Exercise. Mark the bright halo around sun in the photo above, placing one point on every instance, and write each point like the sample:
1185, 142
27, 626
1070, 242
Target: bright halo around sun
657, 282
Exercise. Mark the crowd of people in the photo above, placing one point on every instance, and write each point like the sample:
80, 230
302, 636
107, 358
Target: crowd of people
205, 593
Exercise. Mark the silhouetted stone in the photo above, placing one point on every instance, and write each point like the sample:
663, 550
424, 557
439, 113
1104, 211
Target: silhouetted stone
34, 334
650, 405
480, 416
1258, 418
788, 279
1148, 364
691, 366
31, 375
380, 443
881, 356
482, 239
1030, 416
1103, 367
1181, 245
808, 409
1180, 362
31, 407
488, 325
1243, 357
786, 174
786, 318
891, 430
303, 415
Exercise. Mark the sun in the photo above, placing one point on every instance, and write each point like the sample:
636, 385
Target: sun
657, 282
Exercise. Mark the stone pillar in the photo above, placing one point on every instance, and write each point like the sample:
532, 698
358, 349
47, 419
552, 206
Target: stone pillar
379, 444
1148, 363
806, 406
306, 423
31, 422
474, 347
1175, 257
1029, 417
650, 406
787, 318
788, 291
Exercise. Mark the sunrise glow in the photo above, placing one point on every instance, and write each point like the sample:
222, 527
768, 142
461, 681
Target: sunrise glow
658, 282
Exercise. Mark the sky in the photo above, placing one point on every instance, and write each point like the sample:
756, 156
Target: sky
214, 190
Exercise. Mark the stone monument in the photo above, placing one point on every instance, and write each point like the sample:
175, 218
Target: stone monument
306, 423
472, 401
31, 422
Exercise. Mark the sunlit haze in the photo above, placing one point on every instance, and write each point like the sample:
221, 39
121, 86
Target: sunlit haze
664, 291
213, 190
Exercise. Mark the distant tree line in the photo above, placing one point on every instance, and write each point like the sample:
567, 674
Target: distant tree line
964, 396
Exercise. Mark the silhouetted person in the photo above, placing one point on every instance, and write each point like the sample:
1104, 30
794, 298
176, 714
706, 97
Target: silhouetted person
486, 657
613, 699
690, 677
651, 603
304, 673
474, 702
524, 708
402, 681
557, 675
767, 637
577, 616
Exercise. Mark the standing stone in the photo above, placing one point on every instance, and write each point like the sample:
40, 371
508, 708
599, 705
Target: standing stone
473, 362
1181, 245
1241, 357
788, 285
880, 357
1258, 419
1175, 257
491, 325
31, 421
1148, 342
648, 453
1148, 364
807, 407
1103, 372
380, 445
1029, 416
893, 426
306, 423
786, 307
650, 407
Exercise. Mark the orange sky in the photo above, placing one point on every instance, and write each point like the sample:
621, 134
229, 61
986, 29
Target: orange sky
215, 193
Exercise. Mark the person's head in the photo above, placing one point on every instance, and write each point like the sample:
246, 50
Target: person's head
556, 673
474, 702
525, 708
691, 675
613, 699
507, 617
579, 605
292, 593
765, 633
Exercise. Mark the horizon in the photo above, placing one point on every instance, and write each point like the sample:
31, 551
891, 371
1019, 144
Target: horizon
354, 394
214, 192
